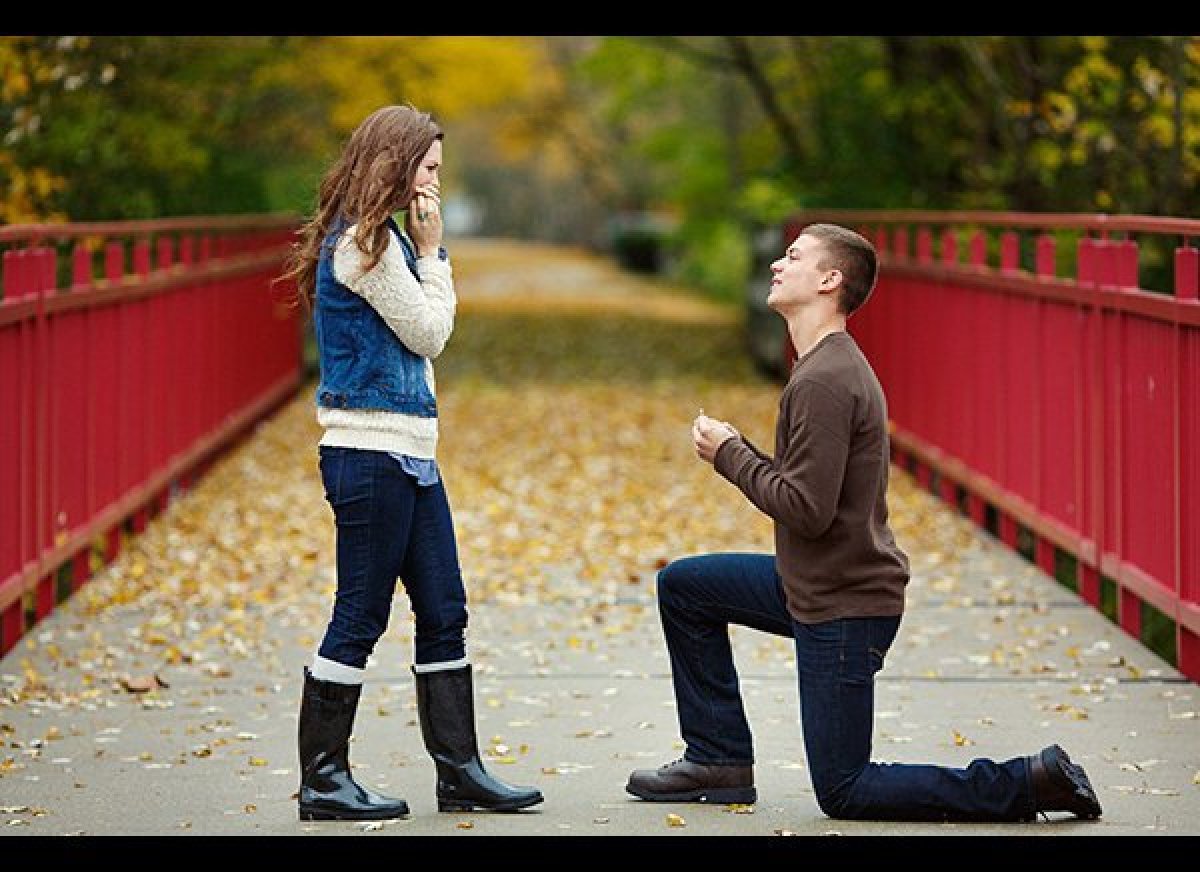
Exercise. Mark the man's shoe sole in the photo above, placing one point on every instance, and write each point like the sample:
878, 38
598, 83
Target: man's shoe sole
715, 795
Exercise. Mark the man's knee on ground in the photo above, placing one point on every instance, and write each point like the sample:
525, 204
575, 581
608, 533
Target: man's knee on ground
834, 802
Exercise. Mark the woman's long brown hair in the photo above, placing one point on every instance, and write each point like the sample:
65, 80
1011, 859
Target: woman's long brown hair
372, 178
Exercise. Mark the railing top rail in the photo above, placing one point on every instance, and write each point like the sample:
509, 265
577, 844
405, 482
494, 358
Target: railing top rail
72, 230
1044, 220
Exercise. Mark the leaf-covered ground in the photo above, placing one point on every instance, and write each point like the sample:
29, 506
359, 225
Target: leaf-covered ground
566, 396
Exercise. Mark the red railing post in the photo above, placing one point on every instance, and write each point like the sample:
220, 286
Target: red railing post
45, 402
1093, 483
978, 250
880, 239
82, 282
137, 374
1187, 466
1187, 273
1126, 270
163, 336
108, 434
1046, 257
1010, 251
31, 411
924, 245
949, 247
1056, 422
13, 473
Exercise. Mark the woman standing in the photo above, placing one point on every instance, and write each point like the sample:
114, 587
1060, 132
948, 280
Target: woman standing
383, 307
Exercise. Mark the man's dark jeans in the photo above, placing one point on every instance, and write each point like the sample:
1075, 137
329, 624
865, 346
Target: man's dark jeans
390, 527
699, 597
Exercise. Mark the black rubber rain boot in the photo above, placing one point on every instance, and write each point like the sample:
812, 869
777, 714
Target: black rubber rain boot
446, 706
328, 791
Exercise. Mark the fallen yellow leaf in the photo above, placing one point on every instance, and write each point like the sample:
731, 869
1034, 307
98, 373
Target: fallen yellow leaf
142, 684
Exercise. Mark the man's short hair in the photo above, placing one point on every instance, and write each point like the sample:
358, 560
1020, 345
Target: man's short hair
852, 255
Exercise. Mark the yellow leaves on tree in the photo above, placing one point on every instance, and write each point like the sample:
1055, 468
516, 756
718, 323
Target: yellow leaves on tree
450, 76
24, 192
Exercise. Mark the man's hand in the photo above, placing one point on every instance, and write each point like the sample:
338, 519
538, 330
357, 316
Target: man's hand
709, 434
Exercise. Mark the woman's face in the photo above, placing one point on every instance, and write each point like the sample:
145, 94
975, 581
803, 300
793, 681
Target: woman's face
427, 170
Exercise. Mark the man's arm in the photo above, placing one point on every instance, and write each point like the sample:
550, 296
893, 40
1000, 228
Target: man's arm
801, 488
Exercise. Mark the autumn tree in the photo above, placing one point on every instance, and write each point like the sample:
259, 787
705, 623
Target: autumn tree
109, 127
735, 131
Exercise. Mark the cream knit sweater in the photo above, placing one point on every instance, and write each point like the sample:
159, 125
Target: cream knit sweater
421, 314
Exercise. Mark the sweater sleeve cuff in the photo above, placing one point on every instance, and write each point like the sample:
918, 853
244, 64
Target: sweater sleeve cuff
731, 457
433, 266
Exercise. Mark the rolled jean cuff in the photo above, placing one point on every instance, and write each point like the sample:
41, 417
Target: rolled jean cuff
324, 669
442, 666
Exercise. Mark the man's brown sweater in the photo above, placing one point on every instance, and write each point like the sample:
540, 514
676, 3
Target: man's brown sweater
826, 488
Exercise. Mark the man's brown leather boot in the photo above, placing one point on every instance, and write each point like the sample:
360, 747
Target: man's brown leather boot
685, 781
1061, 785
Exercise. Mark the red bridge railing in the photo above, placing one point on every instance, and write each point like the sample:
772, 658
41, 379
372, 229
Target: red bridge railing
1043, 374
130, 354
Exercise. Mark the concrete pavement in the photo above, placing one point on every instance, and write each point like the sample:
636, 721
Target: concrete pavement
573, 695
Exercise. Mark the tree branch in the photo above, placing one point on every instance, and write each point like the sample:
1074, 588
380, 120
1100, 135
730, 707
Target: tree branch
692, 53
745, 62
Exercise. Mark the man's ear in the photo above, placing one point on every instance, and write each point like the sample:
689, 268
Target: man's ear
832, 281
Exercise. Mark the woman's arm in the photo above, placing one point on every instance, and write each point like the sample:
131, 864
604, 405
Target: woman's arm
420, 313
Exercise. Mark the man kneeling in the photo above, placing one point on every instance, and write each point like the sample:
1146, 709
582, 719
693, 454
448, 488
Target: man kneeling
835, 585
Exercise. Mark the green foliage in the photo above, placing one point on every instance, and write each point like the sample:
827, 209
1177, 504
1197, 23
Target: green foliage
750, 128
554, 135
140, 127
713, 254
121, 127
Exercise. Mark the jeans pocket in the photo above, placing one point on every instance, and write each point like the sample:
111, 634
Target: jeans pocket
331, 463
349, 478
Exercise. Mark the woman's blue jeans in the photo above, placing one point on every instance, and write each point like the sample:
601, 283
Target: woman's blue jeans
836, 661
389, 528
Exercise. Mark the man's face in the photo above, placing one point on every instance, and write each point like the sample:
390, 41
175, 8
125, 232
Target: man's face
797, 281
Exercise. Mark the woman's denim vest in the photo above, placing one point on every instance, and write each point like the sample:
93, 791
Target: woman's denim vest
364, 365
